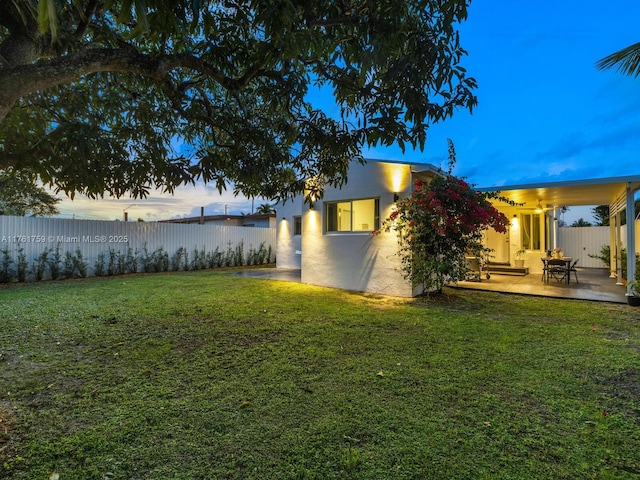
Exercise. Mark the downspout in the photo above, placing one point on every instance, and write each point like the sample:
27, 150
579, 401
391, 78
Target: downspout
613, 244
618, 257
631, 237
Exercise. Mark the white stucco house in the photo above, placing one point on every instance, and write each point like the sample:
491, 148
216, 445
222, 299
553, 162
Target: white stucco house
332, 245
332, 242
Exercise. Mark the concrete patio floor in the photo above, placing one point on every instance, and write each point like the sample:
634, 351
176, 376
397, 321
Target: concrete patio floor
594, 284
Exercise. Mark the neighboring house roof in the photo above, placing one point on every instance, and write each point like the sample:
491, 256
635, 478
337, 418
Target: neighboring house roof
597, 191
219, 218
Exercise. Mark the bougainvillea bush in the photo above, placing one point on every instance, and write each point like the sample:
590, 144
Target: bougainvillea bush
438, 225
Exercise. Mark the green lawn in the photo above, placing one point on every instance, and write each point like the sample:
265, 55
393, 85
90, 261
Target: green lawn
203, 375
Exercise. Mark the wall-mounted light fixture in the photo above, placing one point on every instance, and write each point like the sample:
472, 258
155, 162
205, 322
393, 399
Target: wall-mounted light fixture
539, 207
396, 197
283, 218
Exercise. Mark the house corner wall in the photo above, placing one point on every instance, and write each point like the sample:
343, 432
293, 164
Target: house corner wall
357, 261
288, 245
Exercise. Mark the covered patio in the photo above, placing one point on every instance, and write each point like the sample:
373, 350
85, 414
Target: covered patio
546, 200
593, 284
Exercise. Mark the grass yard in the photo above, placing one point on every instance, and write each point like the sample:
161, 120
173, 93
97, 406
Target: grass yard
203, 375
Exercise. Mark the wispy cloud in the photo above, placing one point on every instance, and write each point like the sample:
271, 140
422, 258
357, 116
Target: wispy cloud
186, 201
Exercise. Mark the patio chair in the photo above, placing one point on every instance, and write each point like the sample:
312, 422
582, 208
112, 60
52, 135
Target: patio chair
545, 270
572, 268
558, 269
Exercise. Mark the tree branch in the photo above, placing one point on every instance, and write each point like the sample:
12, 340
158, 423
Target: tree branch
86, 21
18, 81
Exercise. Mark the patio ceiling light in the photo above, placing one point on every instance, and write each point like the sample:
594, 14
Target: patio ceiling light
539, 208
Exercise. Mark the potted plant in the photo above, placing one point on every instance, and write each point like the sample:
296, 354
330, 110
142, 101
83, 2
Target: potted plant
633, 293
519, 261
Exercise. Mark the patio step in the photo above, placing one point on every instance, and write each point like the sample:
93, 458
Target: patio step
506, 269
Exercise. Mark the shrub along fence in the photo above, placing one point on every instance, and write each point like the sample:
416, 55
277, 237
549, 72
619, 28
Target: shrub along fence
54, 248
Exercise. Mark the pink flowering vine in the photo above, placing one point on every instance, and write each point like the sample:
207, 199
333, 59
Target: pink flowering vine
438, 225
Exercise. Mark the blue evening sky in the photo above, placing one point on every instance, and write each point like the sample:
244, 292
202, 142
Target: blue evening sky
545, 113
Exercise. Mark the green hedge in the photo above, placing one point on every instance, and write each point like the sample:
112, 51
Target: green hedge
52, 264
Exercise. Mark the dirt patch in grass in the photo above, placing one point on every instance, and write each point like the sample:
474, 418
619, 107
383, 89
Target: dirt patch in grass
6, 420
451, 300
622, 391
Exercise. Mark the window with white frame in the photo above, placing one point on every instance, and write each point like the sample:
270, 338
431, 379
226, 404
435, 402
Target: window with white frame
352, 215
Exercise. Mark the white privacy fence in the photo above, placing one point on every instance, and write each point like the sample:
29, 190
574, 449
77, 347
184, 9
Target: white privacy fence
580, 242
108, 247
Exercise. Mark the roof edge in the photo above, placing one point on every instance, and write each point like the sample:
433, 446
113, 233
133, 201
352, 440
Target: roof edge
634, 179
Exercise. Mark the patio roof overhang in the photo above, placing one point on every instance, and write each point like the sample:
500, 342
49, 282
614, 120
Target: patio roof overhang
598, 191
617, 192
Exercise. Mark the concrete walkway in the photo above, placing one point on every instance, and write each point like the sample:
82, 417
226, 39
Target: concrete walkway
284, 274
594, 284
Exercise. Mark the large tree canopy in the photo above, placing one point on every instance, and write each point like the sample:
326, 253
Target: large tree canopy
121, 96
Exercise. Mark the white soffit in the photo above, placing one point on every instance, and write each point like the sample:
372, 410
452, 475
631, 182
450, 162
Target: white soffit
602, 191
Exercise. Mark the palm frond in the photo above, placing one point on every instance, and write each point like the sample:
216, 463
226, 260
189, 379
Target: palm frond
626, 60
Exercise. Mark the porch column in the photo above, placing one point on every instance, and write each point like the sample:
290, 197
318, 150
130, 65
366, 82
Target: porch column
631, 236
556, 229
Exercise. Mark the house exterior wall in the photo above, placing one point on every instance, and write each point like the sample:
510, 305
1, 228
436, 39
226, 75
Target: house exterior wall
356, 260
505, 246
288, 245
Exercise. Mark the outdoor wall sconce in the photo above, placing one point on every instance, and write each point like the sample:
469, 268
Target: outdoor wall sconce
396, 197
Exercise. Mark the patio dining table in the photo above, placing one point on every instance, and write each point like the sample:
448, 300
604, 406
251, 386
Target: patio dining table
567, 267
